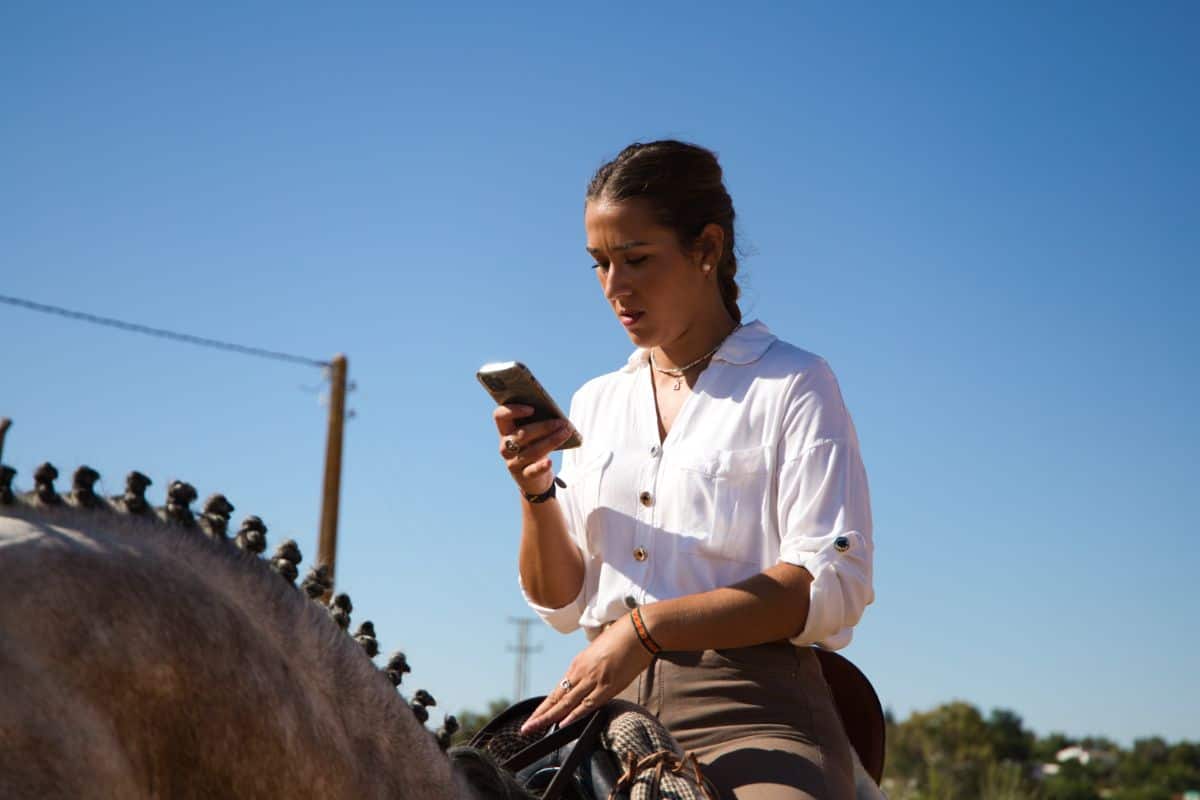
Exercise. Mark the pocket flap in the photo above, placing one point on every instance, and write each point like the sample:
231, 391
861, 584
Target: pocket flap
723, 464
736, 463
587, 462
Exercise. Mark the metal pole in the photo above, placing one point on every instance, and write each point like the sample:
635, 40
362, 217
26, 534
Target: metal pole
327, 544
523, 650
5, 423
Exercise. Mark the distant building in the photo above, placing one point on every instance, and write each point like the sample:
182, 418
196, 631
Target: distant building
1085, 756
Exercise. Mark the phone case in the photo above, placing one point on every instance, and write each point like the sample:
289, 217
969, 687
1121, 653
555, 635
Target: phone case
513, 382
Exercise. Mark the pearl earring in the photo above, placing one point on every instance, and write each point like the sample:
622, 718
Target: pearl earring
706, 267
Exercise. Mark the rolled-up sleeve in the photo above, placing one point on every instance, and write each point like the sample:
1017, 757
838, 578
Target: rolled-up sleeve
563, 620
825, 526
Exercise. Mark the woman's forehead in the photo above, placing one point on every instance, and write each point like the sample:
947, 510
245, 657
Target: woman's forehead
620, 225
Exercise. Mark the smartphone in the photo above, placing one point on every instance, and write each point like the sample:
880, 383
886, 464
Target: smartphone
511, 382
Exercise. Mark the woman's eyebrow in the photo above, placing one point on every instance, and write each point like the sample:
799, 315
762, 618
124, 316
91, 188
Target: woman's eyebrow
625, 246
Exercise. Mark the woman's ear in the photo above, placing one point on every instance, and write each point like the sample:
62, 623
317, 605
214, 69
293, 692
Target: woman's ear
710, 246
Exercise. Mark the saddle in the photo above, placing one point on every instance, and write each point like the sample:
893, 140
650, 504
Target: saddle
618, 752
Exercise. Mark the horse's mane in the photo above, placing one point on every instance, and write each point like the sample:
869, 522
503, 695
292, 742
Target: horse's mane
176, 616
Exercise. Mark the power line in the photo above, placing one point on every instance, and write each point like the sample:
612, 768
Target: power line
161, 333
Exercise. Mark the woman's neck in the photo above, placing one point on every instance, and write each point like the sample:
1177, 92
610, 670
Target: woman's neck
698, 340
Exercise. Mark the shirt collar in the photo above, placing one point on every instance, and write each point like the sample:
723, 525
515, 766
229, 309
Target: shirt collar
744, 346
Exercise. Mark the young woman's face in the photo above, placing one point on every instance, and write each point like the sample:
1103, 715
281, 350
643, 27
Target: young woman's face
655, 288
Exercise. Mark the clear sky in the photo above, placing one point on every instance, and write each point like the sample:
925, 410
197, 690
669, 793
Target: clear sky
984, 216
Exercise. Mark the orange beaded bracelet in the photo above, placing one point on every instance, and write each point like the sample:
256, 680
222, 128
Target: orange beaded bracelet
643, 633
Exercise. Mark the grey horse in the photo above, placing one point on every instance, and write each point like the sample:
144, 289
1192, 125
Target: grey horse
145, 652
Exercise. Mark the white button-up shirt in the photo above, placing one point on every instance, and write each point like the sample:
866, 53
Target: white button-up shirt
761, 465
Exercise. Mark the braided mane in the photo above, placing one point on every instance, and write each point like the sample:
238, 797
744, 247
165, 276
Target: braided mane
148, 652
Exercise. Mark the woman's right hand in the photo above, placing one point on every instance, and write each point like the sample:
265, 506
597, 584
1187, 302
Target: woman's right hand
528, 457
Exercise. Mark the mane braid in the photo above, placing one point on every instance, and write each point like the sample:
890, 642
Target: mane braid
172, 543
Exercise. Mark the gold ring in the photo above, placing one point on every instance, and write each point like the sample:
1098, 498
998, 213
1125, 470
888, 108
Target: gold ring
511, 446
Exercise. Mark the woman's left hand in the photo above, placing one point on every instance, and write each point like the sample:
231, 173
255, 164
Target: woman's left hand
596, 675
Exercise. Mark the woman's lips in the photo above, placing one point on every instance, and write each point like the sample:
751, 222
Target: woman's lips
630, 318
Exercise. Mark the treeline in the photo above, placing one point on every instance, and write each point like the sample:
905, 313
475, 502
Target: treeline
954, 752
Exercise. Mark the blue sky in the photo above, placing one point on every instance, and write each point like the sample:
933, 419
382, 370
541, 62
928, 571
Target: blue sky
983, 216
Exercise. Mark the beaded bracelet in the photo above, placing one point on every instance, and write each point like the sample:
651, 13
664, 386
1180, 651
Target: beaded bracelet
653, 647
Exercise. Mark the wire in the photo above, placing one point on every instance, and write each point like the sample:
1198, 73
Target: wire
161, 333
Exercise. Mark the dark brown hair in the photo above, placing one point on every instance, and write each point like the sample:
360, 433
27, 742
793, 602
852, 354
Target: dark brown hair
683, 184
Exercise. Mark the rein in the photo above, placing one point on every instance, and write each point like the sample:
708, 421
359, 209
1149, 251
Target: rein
661, 762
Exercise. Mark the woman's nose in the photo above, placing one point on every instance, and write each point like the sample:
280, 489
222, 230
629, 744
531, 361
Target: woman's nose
616, 283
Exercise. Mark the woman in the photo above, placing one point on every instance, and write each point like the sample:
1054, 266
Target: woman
716, 522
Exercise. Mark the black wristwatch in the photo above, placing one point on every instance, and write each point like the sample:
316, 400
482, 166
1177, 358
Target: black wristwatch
546, 495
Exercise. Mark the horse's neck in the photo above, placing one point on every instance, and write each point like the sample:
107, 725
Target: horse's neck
199, 675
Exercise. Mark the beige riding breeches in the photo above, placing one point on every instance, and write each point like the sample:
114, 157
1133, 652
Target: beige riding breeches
760, 720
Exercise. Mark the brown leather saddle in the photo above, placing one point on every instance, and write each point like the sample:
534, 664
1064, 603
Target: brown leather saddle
860, 710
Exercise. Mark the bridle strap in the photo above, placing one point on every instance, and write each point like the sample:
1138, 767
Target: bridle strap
584, 746
586, 733
546, 745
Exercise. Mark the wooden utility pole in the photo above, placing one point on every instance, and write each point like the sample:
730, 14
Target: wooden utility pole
327, 545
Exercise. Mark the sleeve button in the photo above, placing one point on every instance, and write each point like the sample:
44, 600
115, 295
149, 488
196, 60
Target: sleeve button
640, 554
841, 544
646, 498
630, 601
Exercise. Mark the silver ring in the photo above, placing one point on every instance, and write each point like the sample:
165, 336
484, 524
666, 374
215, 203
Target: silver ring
511, 446
565, 684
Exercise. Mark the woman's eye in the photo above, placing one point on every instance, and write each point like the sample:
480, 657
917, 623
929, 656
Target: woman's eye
636, 261
601, 267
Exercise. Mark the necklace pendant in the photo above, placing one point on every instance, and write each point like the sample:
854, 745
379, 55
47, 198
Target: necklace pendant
678, 381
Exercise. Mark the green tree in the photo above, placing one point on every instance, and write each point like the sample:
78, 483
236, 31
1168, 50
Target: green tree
1073, 782
1010, 741
954, 752
1006, 781
945, 750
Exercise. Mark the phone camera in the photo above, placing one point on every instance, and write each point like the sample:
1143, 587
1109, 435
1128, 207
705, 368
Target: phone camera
494, 383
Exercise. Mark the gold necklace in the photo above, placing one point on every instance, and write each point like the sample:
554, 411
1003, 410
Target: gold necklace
677, 372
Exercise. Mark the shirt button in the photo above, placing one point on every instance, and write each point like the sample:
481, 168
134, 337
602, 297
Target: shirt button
646, 498
640, 554
841, 544
654, 450
630, 601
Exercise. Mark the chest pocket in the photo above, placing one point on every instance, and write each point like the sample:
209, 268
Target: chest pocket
719, 500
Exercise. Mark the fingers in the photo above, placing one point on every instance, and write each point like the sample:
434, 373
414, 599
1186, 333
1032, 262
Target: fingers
537, 469
534, 442
506, 417
586, 706
565, 705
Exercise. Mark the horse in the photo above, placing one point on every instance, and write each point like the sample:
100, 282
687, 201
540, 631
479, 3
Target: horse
147, 652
